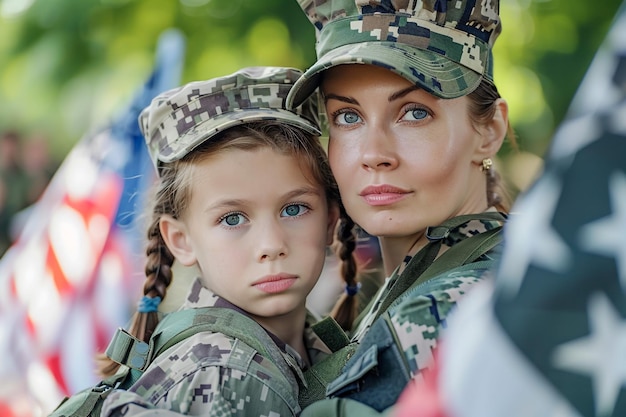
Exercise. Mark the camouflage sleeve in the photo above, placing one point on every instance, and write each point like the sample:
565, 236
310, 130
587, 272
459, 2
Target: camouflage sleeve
418, 320
208, 374
396, 348
342, 407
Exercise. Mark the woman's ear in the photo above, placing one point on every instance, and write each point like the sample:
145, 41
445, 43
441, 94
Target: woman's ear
177, 240
333, 217
493, 132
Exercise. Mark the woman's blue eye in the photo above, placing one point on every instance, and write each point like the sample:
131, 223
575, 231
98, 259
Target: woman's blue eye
293, 210
415, 114
347, 118
234, 219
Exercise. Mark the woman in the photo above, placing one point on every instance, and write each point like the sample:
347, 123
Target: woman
414, 122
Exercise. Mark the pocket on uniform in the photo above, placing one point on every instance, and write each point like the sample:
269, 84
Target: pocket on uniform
376, 374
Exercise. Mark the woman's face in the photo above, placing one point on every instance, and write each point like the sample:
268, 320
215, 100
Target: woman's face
403, 158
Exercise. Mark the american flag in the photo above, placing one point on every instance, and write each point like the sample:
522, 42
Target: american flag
75, 272
549, 337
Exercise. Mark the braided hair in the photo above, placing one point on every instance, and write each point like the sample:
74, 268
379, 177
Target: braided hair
173, 194
345, 310
482, 108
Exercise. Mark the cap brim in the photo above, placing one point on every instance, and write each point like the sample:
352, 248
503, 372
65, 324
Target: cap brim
435, 73
209, 128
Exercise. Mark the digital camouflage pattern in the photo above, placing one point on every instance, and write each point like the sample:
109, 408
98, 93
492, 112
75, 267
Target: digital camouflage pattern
399, 346
443, 46
182, 118
418, 320
414, 322
455, 236
212, 374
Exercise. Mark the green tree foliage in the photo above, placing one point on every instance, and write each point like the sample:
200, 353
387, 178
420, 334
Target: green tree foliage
66, 66
541, 57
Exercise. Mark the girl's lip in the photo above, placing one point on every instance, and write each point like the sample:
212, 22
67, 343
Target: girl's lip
275, 283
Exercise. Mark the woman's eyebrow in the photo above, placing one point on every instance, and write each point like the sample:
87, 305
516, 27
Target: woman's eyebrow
392, 97
345, 99
402, 92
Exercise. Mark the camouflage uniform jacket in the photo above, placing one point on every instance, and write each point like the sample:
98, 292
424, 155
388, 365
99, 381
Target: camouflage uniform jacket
415, 320
212, 374
442, 292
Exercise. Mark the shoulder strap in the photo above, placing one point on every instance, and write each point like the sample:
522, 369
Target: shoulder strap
465, 258
466, 251
88, 402
331, 333
178, 326
135, 355
182, 324
431, 285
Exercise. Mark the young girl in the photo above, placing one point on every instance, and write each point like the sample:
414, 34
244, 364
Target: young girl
414, 122
245, 194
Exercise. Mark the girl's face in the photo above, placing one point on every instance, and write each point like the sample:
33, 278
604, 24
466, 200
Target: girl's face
258, 230
403, 159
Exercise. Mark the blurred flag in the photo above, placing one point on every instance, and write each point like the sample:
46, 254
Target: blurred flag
76, 270
550, 338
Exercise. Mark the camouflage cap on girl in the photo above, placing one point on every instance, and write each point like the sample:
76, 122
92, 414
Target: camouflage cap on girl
180, 119
444, 46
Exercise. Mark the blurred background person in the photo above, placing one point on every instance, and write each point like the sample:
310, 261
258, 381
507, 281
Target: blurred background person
37, 167
38, 164
13, 184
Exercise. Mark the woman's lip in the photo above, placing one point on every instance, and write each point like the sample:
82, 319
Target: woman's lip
275, 283
382, 189
383, 195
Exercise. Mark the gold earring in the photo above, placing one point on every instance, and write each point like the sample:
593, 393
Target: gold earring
487, 164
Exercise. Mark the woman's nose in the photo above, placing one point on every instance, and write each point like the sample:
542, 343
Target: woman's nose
378, 150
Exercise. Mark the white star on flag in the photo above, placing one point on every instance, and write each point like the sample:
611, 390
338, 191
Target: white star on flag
530, 238
574, 135
607, 236
600, 354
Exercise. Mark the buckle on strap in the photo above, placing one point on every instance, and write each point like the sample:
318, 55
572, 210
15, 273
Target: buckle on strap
436, 233
127, 350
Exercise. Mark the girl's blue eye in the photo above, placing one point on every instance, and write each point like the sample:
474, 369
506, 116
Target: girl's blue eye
347, 118
415, 114
293, 210
234, 219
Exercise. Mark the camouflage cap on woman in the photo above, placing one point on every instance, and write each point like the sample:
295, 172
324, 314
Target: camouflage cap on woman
179, 120
444, 46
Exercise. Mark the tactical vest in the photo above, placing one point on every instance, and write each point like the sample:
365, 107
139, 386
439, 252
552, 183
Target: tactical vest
135, 355
374, 370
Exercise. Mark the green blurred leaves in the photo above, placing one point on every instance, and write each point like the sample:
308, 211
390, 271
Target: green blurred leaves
67, 66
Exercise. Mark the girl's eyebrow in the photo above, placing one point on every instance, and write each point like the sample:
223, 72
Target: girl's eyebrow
226, 204
232, 203
303, 191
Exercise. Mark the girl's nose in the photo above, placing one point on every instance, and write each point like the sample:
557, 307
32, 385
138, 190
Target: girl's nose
272, 243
